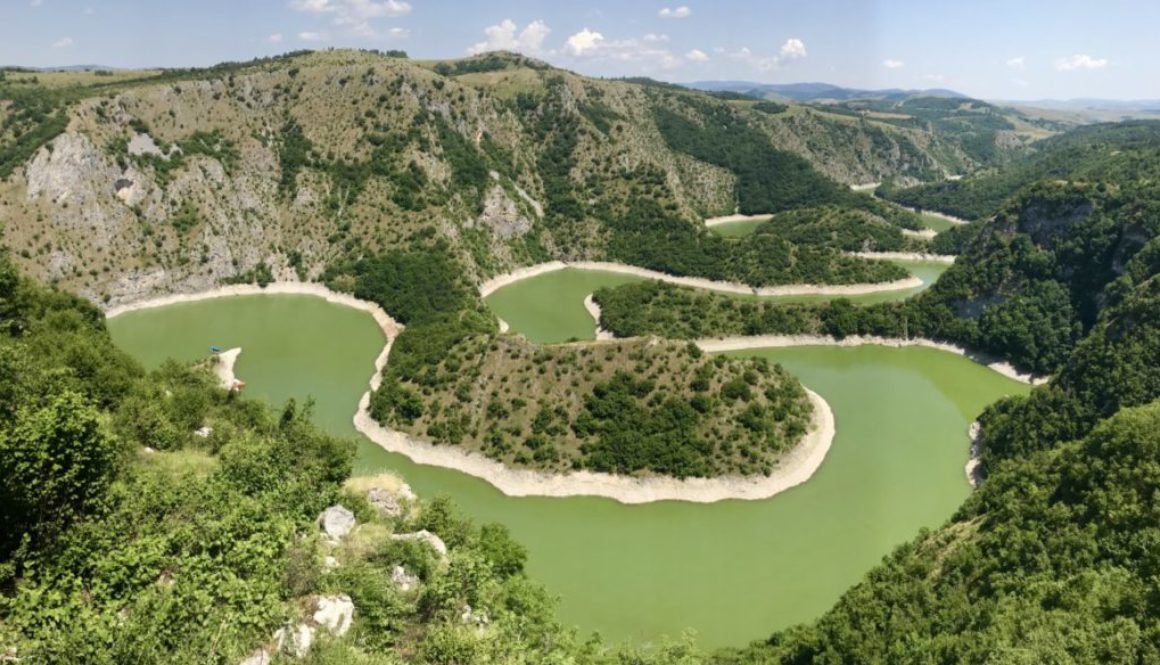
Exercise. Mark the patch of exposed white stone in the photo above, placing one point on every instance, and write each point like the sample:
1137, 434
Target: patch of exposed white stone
731, 219
494, 284
593, 308
224, 368
905, 256
973, 468
866, 187
925, 234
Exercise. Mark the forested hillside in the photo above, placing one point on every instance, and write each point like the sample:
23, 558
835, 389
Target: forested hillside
135, 183
1126, 152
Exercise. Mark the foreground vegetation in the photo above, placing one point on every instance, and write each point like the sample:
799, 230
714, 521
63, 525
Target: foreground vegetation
128, 538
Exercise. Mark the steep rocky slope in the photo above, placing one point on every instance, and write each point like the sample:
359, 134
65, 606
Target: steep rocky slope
183, 179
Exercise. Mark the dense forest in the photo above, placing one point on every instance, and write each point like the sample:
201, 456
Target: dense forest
648, 237
1028, 285
1125, 152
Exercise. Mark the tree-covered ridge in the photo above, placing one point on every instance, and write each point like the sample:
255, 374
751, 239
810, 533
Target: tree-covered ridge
768, 180
1027, 286
846, 229
649, 237
632, 408
1127, 153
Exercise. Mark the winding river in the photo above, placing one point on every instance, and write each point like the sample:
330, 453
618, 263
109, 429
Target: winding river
735, 570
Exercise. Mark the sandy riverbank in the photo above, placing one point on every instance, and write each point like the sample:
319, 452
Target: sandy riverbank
730, 219
925, 234
795, 468
772, 341
494, 284
223, 367
905, 256
594, 311
389, 326
934, 213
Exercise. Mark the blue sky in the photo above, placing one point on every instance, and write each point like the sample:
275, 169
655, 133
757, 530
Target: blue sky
1008, 49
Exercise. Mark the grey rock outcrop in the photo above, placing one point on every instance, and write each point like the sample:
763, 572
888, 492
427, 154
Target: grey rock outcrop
337, 522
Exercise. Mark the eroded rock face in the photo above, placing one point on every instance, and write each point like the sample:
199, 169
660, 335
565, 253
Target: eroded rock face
66, 170
337, 522
502, 215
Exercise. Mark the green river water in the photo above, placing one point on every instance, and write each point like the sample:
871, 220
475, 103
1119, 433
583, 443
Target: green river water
734, 571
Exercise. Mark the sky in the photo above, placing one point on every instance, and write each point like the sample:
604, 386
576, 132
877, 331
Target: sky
992, 49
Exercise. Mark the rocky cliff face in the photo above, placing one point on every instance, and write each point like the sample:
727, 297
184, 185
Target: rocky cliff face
178, 184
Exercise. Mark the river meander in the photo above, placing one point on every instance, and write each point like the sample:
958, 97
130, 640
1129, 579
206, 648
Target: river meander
735, 570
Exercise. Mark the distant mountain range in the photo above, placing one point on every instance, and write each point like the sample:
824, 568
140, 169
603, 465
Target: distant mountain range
64, 68
815, 92
1089, 104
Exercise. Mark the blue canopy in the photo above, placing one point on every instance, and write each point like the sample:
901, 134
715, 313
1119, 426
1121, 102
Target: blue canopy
215, 349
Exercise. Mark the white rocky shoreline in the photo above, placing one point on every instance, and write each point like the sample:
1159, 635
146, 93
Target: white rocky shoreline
495, 283
795, 467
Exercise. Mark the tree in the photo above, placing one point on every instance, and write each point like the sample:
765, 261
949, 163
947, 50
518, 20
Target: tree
57, 462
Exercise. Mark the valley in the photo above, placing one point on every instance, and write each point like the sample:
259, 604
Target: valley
539, 367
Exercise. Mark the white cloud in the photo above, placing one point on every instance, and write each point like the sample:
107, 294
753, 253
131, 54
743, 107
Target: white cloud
354, 15
648, 53
893, 64
1022, 83
696, 55
583, 42
1018, 62
1080, 61
399, 33
309, 36
36, 3
503, 37
935, 78
275, 38
63, 42
675, 12
792, 49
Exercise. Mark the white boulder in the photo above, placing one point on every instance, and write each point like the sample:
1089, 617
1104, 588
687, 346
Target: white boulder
337, 522
335, 614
